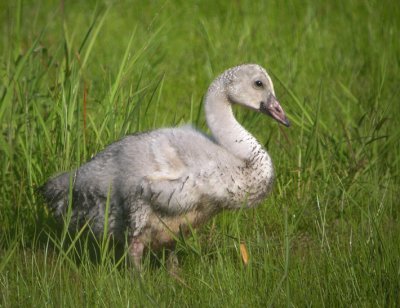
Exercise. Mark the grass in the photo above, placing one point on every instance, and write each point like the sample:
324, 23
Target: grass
76, 77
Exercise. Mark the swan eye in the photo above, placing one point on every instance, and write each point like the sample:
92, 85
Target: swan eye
258, 83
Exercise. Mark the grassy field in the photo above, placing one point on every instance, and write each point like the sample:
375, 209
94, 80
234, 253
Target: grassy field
76, 77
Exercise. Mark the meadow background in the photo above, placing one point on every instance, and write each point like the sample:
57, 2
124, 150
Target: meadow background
77, 75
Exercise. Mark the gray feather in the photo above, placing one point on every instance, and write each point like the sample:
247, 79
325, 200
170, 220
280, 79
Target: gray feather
158, 181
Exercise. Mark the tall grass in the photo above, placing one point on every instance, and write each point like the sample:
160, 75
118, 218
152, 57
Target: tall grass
77, 76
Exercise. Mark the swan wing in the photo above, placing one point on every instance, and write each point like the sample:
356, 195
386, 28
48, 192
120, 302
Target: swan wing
178, 179
167, 163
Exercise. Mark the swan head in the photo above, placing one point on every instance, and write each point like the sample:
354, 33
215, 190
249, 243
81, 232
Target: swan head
249, 85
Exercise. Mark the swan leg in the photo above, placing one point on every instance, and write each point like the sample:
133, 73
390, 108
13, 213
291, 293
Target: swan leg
136, 249
174, 270
173, 264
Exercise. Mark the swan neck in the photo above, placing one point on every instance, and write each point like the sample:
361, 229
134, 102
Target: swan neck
225, 128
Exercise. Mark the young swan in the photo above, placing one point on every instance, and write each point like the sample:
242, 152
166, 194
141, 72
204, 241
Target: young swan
160, 183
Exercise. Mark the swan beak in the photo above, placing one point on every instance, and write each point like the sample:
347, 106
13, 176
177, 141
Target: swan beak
274, 109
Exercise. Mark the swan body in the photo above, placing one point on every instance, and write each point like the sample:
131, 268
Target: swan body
166, 181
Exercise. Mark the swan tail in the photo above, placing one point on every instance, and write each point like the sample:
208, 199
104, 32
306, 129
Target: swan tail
55, 192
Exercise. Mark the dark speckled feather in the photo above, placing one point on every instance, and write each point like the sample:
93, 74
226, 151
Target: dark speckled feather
160, 182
